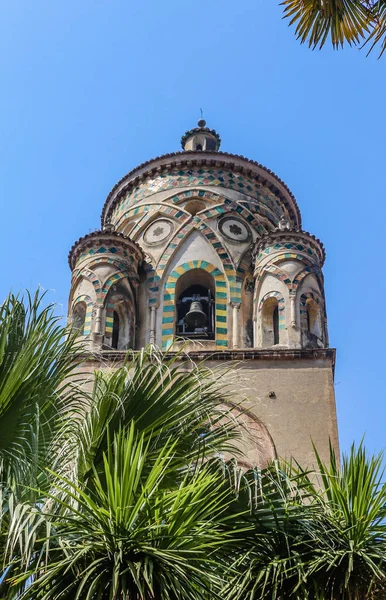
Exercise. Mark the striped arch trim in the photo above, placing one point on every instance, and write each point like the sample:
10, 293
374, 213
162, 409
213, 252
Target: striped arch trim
292, 284
88, 320
113, 279
208, 233
78, 273
274, 270
110, 305
303, 307
280, 303
110, 313
168, 316
147, 212
307, 271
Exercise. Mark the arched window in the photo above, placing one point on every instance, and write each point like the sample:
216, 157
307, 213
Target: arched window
275, 319
199, 147
270, 322
120, 318
311, 322
79, 317
115, 336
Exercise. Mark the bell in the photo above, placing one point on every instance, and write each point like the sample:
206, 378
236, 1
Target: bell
196, 316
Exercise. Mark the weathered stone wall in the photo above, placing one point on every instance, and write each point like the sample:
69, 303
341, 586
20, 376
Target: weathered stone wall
289, 399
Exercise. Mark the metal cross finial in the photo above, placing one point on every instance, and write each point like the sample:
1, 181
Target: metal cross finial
202, 114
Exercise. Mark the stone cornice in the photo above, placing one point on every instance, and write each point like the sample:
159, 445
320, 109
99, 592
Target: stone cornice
294, 236
238, 164
91, 239
264, 354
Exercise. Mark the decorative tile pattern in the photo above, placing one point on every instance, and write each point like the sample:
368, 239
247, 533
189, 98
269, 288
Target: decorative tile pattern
270, 206
290, 246
168, 317
147, 210
113, 279
105, 250
195, 223
292, 284
120, 264
88, 320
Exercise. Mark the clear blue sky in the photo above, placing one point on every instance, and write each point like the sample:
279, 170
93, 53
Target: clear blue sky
92, 88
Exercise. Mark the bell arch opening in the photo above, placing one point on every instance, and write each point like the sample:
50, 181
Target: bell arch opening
195, 305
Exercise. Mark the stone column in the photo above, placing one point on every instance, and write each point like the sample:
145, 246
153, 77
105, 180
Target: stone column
293, 309
235, 329
153, 314
98, 320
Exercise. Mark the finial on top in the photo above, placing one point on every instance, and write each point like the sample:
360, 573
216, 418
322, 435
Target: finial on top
201, 122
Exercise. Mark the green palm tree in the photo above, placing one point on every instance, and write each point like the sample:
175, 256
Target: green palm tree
175, 418
36, 364
344, 21
347, 546
130, 534
118, 492
326, 538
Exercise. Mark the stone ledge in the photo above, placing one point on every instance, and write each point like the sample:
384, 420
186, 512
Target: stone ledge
228, 355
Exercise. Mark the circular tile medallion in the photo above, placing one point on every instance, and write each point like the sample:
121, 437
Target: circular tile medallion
234, 229
158, 231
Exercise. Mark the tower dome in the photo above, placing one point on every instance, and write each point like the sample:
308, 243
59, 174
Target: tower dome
227, 264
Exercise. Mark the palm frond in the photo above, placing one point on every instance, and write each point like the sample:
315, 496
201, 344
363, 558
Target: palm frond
164, 400
132, 536
344, 21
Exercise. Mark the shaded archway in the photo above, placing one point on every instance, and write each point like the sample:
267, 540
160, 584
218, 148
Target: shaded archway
271, 320
169, 301
195, 305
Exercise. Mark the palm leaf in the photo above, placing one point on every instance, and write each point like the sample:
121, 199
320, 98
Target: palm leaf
131, 536
342, 20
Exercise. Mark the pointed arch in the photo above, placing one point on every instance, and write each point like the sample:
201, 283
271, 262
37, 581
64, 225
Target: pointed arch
310, 270
112, 280
169, 299
195, 223
88, 316
120, 309
149, 212
272, 297
311, 319
78, 274
276, 271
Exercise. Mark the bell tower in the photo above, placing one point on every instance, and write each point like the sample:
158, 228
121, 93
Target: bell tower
205, 250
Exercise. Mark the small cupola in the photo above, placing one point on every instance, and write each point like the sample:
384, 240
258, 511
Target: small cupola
201, 139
